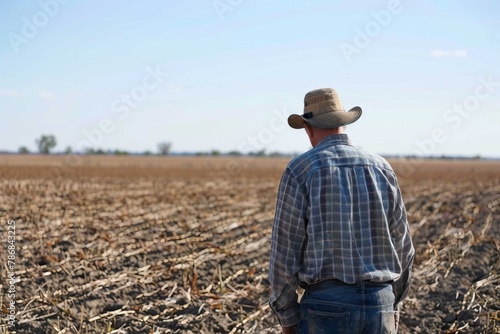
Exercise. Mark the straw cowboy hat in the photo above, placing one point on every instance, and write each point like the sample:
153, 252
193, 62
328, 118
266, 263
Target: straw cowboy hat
323, 109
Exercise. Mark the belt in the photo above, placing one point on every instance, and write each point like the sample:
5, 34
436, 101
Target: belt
336, 282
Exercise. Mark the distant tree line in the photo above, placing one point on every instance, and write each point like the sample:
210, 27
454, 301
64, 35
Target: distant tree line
261, 153
46, 144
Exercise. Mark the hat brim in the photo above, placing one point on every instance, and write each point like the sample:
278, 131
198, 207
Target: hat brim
334, 119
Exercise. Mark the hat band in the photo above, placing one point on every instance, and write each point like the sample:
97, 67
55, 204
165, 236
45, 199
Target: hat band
310, 113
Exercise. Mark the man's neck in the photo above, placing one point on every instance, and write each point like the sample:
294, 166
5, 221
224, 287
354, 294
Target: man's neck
320, 134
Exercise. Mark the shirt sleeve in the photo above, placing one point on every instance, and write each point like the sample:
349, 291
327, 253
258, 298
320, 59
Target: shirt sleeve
287, 243
402, 240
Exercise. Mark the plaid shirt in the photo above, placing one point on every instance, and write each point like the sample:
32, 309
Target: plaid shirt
339, 215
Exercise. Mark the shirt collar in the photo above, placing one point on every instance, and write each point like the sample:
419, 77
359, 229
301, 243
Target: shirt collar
336, 139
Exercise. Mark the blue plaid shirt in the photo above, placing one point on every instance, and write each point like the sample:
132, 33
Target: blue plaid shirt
339, 215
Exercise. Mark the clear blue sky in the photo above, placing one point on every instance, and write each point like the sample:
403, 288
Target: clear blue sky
224, 74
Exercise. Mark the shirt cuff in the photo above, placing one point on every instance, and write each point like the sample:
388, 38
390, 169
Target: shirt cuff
289, 317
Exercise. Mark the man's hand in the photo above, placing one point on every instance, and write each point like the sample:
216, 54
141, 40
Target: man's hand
289, 330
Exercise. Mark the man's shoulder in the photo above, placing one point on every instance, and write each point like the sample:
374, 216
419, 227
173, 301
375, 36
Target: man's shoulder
377, 160
337, 156
301, 161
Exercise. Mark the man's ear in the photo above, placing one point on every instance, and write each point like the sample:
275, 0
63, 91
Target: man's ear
310, 133
309, 130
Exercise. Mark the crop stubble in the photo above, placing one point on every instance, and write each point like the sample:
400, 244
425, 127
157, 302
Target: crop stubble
181, 245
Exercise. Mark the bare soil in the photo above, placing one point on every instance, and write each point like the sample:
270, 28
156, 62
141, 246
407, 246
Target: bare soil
181, 245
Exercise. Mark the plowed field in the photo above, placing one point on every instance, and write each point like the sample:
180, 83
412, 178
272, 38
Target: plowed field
181, 245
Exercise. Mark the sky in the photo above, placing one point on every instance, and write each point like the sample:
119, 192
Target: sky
225, 74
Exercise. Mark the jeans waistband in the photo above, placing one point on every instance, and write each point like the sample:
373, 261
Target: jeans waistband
336, 282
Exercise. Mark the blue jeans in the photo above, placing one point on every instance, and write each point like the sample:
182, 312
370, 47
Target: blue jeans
353, 309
